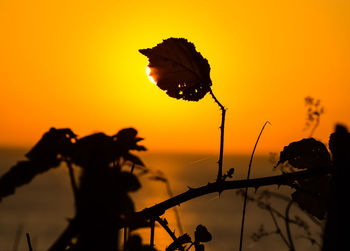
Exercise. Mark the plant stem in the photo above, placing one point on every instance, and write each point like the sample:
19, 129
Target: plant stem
29, 242
289, 234
222, 129
284, 179
278, 229
246, 189
190, 246
152, 232
125, 236
72, 181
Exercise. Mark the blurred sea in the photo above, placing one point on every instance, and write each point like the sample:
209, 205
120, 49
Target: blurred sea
43, 207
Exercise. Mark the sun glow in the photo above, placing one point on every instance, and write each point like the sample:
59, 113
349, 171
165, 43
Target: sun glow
148, 71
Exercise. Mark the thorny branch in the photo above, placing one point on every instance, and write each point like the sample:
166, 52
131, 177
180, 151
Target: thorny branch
284, 179
222, 129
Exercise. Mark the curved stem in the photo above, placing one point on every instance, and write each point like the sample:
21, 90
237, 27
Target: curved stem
222, 129
289, 234
246, 189
73, 181
152, 233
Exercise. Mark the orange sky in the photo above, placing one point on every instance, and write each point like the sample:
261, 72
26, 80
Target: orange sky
76, 64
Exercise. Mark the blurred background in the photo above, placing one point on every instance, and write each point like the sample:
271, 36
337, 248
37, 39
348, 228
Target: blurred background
44, 206
76, 64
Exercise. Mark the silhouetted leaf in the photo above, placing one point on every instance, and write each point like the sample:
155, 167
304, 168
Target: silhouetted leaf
101, 149
127, 140
305, 154
312, 193
95, 149
53, 143
46, 154
201, 234
179, 69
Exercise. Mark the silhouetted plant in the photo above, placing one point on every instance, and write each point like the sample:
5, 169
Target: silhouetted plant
101, 199
102, 202
263, 201
314, 112
183, 73
103, 206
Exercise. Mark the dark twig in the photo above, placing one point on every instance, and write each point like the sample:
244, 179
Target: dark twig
152, 232
72, 181
284, 179
29, 242
278, 229
125, 237
312, 240
159, 176
192, 243
222, 128
289, 234
246, 189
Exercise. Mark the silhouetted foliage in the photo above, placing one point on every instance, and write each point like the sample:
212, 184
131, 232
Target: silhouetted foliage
312, 194
48, 153
179, 69
314, 112
306, 154
263, 201
334, 234
201, 234
103, 205
102, 202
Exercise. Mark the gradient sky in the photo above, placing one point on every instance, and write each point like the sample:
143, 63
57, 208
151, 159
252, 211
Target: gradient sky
76, 64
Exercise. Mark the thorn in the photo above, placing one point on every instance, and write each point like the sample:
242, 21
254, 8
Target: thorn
220, 193
256, 188
190, 188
